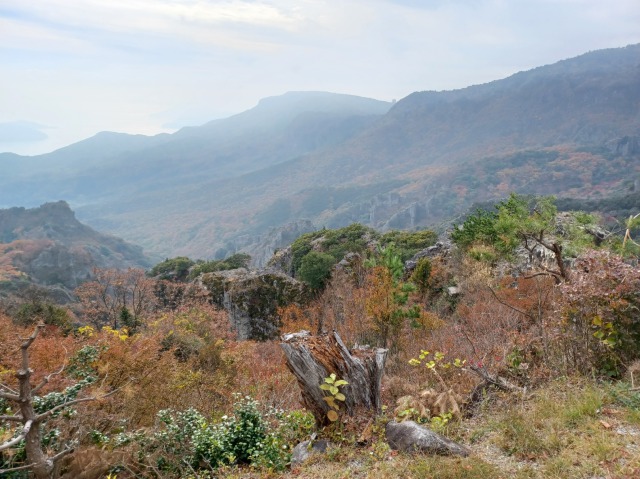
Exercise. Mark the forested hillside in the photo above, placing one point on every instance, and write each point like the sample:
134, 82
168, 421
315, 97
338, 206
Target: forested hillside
49, 249
569, 129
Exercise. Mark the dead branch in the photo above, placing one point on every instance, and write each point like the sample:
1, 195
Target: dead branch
504, 303
19, 468
11, 418
46, 414
8, 388
9, 397
41, 465
19, 438
497, 381
47, 378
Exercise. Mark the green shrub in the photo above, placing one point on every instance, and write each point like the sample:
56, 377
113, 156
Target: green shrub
186, 441
421, 274
315, 269
175, 268
337, 243
408, 243
31, 313
235, 261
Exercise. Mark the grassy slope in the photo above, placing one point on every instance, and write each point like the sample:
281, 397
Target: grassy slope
570, 428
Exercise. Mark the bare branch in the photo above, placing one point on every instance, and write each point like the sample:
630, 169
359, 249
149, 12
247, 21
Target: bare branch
48, 378
547, 272
509, 306
32, 338
61, 454
473, 347
44, 415
21, 436
11, 418
19, 468
9, 397
8, 388
498, 381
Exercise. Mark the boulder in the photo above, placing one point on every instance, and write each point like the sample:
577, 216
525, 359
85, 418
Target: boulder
303, 451
440, 249
409, 436
252, 298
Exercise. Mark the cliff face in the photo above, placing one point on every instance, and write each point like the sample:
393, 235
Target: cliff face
49, 246
252, 298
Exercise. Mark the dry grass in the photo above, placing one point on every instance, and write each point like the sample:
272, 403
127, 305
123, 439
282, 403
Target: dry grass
570, 428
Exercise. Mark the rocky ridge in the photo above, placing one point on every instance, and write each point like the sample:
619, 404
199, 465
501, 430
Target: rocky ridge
48, 246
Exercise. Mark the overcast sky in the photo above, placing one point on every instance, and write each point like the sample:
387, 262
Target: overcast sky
72, 68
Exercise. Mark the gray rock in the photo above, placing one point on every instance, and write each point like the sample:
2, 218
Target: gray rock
441, 249
252, 298
625, 146
453, 290
409, 436
303, 451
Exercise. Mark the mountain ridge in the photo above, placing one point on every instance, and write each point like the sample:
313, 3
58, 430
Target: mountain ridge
48, 246
430, 156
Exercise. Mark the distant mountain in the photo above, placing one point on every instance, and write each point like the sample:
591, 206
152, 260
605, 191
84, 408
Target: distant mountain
118, 168
570, 129
48, 246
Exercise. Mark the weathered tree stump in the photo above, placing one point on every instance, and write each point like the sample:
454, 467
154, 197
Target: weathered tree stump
313, 358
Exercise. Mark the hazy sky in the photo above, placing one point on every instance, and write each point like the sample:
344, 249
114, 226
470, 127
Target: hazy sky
72, 68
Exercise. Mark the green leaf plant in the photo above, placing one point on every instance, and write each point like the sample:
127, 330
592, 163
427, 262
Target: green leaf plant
332, 385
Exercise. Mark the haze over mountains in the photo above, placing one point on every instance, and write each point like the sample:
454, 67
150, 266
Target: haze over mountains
570, 129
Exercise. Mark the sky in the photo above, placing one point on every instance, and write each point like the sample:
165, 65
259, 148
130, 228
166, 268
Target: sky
72, 68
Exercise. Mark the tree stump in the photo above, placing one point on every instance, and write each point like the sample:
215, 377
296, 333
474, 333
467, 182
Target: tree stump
313, 358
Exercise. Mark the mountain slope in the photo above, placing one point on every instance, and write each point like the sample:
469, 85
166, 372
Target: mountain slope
559, 129
110, 166
50, 247
570, 129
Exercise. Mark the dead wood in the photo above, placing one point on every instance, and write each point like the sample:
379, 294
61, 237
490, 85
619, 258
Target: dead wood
313, 358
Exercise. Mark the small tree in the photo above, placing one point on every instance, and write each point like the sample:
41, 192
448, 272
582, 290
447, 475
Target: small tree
32, 415
631, 223
421, 275
387, 301
602, 324
518, 221
104, 298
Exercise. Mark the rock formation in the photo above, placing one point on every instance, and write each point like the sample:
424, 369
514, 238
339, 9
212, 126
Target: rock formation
252, 298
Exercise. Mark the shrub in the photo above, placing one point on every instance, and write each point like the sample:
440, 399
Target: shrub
235, 261
315, 269
601, 326
187, 441
408, 243
421, 275
175, 268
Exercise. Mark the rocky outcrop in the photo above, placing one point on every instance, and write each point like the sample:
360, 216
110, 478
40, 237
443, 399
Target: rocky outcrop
262, 247
625, 146
303, 451
282, 260
440, 249
252, 298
